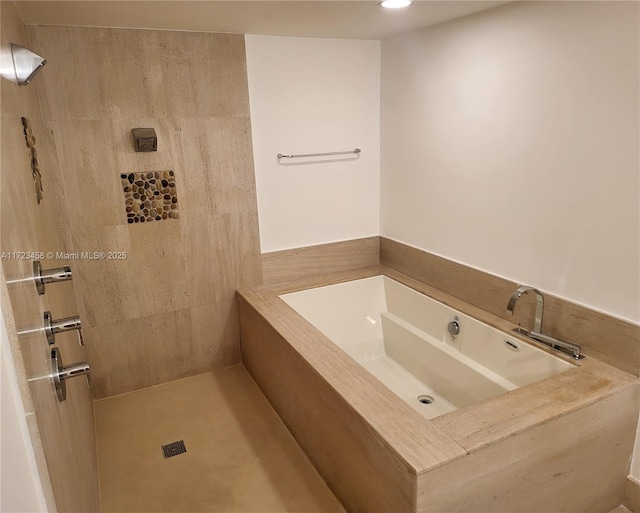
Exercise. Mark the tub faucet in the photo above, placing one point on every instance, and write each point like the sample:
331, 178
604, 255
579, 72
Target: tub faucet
537, 323
536, 333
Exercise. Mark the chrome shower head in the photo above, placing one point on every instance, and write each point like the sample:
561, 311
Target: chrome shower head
25, 63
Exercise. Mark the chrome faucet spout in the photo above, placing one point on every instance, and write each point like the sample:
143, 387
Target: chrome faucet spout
537, 324
536, 333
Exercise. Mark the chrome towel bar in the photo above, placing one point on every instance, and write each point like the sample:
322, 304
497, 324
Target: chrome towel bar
289, 156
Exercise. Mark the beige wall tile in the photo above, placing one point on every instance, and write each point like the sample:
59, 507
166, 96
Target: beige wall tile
92, 155
218, 176
212, 67
294, 264
223, 256
215, 330
137, 353
61, 433
150, 280
192, 88
609, 339
632, 494
142, 352
129, 73
123, 73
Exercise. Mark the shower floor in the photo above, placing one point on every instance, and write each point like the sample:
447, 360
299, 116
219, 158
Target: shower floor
240, 457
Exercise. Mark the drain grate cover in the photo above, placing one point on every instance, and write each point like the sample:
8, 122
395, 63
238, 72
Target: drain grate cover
173, 449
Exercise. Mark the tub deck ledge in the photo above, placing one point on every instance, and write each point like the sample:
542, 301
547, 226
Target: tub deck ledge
390, 433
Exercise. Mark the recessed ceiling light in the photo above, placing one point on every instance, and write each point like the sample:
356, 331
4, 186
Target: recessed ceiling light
395, 4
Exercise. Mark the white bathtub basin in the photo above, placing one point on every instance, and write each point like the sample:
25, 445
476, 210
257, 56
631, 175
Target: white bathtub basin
400, 336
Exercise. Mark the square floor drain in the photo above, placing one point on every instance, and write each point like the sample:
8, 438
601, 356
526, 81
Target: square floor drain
173, 449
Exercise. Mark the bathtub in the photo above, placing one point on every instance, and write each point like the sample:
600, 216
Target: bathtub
507, 426
401, 337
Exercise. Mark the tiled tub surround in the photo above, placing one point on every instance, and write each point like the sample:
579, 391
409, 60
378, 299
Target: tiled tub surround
299, 263
559, 444
611, 340
402, 338
607, 338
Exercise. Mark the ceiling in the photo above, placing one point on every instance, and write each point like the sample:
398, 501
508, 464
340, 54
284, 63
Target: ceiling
347, 19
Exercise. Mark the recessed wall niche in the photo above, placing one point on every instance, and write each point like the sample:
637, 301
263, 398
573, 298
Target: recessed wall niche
150, 196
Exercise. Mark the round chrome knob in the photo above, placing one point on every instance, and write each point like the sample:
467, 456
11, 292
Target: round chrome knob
453, 328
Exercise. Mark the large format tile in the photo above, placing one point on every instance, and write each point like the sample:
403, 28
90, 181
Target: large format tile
214, 331
141, 352
192, 88
62, 433
212, 67
295, 264
223, 257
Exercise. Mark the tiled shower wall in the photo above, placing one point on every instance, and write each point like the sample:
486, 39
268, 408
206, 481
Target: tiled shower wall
159, 304
62, 433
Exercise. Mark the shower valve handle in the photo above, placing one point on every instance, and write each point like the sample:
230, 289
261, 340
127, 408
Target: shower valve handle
60, 373
42, 277
53, 326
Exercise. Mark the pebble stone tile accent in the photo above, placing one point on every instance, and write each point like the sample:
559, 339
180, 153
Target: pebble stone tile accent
150, 196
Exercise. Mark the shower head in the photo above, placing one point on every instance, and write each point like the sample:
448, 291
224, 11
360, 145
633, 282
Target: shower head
26, 63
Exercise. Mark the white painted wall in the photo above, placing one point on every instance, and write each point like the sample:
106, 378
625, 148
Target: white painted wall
20, 488
510, 144
312, 95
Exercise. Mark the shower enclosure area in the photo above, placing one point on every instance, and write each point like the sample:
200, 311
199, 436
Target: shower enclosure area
169, 205
145, 298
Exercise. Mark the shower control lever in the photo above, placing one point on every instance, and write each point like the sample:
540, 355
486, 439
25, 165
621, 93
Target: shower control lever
41, 278
60, 373
53, 326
